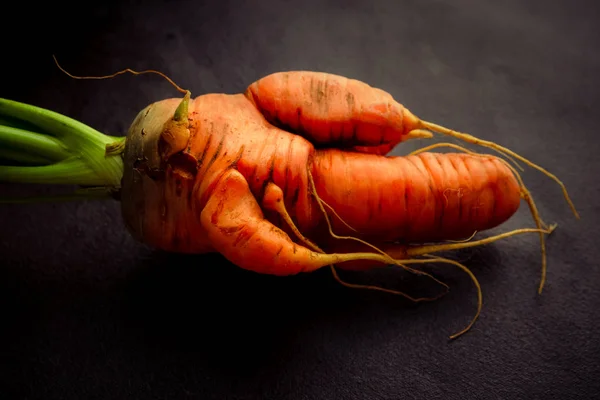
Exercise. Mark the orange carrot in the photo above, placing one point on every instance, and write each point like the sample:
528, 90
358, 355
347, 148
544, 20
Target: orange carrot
413, 199
292, 176
418, 198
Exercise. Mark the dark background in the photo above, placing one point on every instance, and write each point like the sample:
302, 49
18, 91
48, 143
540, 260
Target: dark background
87, 313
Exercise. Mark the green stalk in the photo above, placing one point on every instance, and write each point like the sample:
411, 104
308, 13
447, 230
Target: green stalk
15, 123
33, 142
66, 172
64, 151
21, 157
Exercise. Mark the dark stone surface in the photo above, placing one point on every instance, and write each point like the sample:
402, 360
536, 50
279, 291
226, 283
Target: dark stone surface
87, 313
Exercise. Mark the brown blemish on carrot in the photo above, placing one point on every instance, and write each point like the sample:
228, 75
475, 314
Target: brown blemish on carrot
295, 197
214, 218
350, 100
270, 172
238, 157
217, 153
205, 150
299, 118
243, 236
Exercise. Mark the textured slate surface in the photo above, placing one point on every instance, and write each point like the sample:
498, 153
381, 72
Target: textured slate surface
89, 313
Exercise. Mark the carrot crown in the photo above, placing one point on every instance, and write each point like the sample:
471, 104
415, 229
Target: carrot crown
41, 146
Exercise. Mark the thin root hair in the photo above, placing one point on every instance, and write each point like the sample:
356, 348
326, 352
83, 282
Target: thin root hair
280, 208
127, 70
403, 263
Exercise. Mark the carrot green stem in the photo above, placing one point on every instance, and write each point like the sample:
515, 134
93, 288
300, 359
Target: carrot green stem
56, 149
21, 157
71, 171
33, 142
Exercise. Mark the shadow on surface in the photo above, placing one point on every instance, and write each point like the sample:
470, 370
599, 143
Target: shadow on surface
210, 312
205, 310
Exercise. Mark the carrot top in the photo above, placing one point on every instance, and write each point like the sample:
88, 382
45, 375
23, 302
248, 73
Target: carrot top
43, 146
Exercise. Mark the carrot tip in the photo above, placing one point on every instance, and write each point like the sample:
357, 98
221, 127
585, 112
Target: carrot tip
419, 134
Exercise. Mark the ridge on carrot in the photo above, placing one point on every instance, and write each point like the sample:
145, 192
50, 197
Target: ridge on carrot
290, 176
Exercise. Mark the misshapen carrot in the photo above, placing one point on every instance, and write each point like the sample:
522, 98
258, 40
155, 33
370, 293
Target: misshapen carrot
411, 199
291, 176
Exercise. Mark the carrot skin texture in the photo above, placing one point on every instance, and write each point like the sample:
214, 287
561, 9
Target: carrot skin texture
236, 227
261, 152
332, 110
164, 199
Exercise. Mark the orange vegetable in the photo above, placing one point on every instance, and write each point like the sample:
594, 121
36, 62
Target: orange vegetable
273, 177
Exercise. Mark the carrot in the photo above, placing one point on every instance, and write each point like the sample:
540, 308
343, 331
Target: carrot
334, 111
290, 176
418, 198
